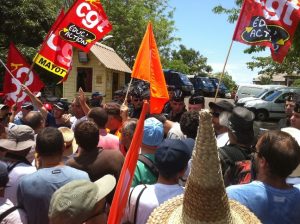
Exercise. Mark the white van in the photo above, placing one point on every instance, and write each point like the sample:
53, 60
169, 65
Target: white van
263, 95
273, 105
252, 90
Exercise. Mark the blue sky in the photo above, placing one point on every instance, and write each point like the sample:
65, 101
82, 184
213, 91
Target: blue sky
210, 34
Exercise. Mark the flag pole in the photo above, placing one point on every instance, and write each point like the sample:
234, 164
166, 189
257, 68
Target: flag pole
124, 103
223, 71
9, 72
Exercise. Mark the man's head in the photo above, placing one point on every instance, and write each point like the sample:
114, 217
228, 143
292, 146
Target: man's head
171, 90
114, 121
59, 109
177, 102
20, 139
35, 120
26, 108
196, 102
81, 201
137, 98
49, 142
172, 156
99, 116
189, 123
127, 131
76, 108
97, 98
87, 135
240, 125
4, 115
216, 109
278, 154
153, 132
290, 103
295, 118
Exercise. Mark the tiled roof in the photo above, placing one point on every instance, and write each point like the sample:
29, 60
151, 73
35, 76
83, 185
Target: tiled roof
109, 58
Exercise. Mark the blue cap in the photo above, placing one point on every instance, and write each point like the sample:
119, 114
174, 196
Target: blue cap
153, 132
172, 155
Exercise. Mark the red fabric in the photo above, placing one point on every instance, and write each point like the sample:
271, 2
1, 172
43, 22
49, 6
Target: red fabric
84, 24
123, 186
270, 23
147, 67
55, 54
19, 68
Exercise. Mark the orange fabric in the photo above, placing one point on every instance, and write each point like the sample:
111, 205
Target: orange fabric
123, 186
147, 67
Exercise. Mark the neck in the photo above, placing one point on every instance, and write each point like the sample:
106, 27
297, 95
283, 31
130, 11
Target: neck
84, 152
274, 181
50, 161
148, 149
163, 180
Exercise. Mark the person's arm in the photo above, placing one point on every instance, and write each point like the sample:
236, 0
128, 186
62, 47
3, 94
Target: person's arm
82, 100
124, 112
36, 102
14, 111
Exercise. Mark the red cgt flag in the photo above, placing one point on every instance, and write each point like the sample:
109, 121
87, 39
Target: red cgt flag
147, 67
19, 68
270, 23
123, 186
84, 24
55, 54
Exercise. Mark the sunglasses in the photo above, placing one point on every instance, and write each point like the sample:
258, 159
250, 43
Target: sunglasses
215, 114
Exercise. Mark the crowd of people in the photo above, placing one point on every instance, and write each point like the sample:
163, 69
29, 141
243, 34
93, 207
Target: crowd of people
60, 163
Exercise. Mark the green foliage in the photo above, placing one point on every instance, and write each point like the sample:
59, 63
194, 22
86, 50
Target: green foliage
265, 79
296, 83
227, 80
188, 61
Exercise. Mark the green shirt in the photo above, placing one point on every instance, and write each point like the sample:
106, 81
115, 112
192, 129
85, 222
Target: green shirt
143, 174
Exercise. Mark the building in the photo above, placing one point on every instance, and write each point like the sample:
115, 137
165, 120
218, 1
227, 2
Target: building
99, 70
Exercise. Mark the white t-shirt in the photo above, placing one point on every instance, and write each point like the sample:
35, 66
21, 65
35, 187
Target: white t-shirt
222, 139
17, 216
14, 178
151, 198
76, 121
175, 132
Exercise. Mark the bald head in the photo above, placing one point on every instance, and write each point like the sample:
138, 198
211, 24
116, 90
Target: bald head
35, 120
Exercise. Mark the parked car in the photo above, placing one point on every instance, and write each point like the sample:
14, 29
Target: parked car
222, 89
179, 80
203, 85
273, 105
263, 95
252, 90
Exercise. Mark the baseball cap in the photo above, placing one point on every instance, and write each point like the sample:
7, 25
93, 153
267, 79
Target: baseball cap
196, 99
75, 202
94, 94
3, 107
173, 154
223, 105
27, 106
239, 120
178, 95
153, 132
19, 137
61, 106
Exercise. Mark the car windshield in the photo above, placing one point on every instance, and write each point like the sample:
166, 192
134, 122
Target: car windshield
262, 94
273, 96
206, 82
266, 94
185, 79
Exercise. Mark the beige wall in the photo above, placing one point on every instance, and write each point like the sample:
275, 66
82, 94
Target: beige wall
102, 78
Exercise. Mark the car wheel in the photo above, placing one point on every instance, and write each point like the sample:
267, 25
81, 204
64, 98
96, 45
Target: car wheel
261, 115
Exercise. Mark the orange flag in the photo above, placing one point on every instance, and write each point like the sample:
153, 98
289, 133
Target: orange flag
147, 67
122, 190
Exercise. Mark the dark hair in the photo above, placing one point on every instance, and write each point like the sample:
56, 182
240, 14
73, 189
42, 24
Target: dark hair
281, 152
49, 142
189, 123
129, 126
99, 116
113, 109
33, 119
161, 117
87, 135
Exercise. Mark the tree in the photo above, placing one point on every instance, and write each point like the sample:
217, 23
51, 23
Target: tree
266, 65
188, 61
227, 80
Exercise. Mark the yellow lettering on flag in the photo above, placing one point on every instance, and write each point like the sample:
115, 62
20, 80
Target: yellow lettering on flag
50, 66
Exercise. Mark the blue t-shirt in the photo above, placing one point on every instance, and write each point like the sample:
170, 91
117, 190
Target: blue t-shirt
270, 205
35, 190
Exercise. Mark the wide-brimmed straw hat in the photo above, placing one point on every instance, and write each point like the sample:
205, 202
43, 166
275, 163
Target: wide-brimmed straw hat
205, 199
69, 140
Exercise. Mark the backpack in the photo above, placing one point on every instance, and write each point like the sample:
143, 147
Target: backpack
238, 165
149, 164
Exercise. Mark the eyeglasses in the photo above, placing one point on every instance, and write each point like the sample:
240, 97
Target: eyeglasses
215, 114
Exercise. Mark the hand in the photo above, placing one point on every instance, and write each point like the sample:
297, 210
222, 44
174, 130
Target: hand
81, 96
66, 118
14, 107
124, 112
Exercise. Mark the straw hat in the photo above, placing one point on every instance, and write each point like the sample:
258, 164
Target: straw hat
69, 140
205, 199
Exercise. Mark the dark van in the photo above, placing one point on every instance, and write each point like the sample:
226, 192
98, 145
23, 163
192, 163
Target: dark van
203, 85
179, 80
222, 89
